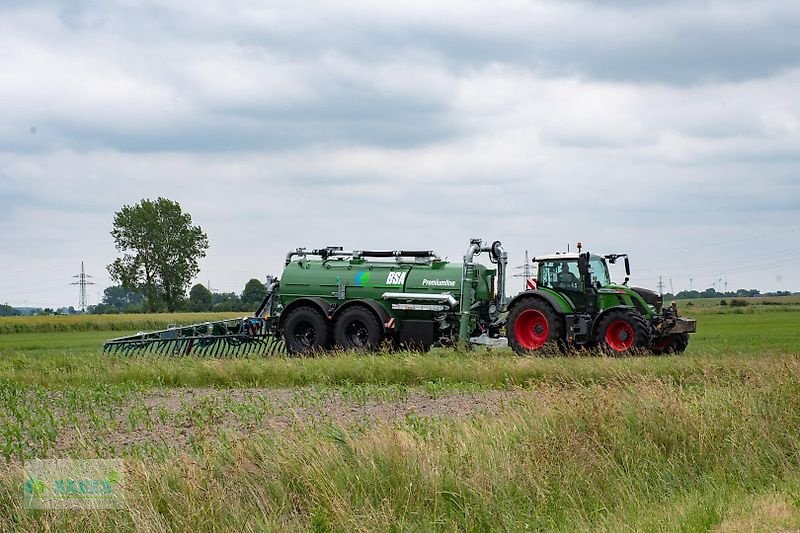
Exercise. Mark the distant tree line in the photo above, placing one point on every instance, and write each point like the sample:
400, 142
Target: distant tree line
118, 299
713, 293
7, 310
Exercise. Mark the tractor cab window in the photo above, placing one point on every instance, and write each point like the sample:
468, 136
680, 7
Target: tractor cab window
599, 271
560, 274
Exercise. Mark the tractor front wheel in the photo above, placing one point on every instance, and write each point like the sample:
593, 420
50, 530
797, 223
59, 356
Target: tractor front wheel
532, 325
623, 332
671, 344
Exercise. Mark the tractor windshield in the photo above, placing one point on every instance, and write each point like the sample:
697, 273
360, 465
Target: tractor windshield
559, 274
599, 271
563, 274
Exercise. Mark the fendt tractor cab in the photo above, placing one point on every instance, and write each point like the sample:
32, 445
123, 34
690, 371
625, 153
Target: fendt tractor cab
575, 303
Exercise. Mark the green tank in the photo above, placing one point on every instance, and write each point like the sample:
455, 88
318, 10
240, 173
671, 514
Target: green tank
331, 298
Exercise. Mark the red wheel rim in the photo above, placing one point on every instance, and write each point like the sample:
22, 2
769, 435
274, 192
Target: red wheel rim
531, 329
620, 336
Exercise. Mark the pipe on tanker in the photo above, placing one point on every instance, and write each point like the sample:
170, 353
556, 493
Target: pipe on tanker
466, 289
445, 298
266, 303
299, 251
338, 252
501, 256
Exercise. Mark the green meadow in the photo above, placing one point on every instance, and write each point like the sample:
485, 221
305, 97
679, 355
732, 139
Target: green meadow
447, 441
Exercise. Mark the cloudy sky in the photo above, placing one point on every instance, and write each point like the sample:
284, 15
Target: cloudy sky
668, 130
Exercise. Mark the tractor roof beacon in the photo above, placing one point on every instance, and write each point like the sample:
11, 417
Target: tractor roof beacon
575, 303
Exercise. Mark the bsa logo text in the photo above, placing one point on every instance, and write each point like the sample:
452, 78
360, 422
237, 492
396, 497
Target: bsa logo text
396, 278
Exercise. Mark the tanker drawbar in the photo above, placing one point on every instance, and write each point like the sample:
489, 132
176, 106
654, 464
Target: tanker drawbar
334, 299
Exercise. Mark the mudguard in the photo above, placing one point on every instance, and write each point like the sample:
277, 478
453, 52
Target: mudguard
559, 303
313, 301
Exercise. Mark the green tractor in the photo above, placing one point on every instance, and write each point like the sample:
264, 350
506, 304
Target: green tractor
575, 303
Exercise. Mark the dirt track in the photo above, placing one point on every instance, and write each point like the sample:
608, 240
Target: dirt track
179, 417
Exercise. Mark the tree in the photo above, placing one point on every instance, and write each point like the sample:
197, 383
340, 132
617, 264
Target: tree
253, 294
7, 310
102, 309
161, 248
709, 293
122, 299
199, 298
225, 301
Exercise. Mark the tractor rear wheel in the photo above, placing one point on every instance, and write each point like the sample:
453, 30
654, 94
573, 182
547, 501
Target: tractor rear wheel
306, 331
532, 325
623, 332
671, 344
357, 328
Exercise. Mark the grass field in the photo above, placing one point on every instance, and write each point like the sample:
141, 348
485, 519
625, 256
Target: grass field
450, 441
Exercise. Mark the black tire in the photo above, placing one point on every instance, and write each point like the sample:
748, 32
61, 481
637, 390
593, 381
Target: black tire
533, 326
672, 344
623, 332
357, 328
306, 331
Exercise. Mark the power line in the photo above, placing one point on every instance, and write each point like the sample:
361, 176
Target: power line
82, 283
527, 283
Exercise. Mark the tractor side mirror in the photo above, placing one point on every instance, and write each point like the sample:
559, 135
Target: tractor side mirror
627, 266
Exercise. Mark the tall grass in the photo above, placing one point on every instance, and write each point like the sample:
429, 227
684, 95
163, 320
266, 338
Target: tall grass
486, 370
647, 454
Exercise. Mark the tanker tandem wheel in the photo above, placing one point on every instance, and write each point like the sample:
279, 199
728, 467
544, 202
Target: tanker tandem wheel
306, 331
357, 328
